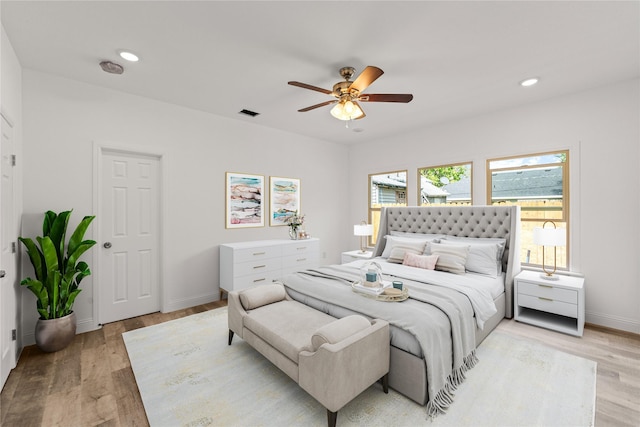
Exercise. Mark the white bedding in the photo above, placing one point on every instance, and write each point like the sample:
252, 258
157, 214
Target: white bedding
480, 289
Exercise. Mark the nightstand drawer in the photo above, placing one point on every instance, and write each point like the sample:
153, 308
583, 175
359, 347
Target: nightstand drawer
548, 305
547, 291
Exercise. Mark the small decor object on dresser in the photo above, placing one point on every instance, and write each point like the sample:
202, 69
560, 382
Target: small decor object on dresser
244, 200
295, 222
556, 305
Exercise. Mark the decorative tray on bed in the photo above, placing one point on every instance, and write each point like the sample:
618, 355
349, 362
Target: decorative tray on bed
379, 294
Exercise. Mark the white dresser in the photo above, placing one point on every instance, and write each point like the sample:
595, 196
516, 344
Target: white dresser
247, 264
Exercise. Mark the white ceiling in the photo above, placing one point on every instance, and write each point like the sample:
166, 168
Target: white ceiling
459, 59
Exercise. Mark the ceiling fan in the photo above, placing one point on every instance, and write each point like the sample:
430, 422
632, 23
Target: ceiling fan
348, 93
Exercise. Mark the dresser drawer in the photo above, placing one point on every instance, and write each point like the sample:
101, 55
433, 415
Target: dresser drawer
256, 253
548, 305
257, 267
254, 280
548, 291
299, 262
300, 247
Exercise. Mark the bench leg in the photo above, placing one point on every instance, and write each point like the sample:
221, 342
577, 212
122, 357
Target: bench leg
385, 383
332, 417
230, 336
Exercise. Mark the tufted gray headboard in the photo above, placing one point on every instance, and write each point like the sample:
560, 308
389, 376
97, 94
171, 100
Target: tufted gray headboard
463, 221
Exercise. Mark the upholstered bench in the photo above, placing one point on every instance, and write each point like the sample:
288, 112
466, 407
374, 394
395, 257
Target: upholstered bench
334, 360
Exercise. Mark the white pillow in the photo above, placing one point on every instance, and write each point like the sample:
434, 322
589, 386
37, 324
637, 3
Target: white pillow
399, 249
451, 257
409, 241
482, 258
484, 240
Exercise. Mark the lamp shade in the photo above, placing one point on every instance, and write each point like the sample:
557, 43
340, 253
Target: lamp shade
549, 236
363, 230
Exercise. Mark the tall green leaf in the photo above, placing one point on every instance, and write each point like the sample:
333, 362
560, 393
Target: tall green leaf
76, 238
57, 235
36, 257
41, 294
49, 218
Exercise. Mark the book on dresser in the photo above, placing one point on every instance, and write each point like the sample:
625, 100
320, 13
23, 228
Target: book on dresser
247, 264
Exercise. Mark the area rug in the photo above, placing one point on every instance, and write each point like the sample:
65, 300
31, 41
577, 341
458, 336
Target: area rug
188, 376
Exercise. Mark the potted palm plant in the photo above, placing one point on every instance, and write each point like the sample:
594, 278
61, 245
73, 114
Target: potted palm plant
58, 273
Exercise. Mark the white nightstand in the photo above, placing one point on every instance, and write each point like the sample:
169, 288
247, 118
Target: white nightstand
355, 255
552, 304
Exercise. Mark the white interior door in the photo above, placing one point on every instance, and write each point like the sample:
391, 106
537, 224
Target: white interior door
129, 216
8, 263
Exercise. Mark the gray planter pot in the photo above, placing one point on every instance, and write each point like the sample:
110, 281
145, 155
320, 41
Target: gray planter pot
55, 334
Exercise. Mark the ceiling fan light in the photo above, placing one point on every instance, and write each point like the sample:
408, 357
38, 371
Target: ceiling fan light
346, 110
338, 111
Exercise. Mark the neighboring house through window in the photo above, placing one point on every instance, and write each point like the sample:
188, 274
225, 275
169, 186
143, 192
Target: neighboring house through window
445, 185
385, 189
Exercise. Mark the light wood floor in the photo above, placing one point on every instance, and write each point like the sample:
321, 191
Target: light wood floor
90, 383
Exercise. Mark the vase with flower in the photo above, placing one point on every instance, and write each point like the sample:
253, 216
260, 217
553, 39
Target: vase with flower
294, 222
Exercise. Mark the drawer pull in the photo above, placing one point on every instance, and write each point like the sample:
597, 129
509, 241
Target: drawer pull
259, 280
301, 259
545, 299
546, 286
259, 266
301, 248
258, 253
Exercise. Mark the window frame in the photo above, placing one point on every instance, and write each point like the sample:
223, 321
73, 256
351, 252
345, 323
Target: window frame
527, 222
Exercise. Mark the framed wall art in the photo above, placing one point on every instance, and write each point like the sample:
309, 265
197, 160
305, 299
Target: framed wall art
244, 200
285, 199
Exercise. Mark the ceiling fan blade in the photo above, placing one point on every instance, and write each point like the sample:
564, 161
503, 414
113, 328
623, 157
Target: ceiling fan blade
313, 107
386, 97
311, 87
366, 77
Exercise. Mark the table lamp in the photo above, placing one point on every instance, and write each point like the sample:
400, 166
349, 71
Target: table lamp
363, 230
549, 237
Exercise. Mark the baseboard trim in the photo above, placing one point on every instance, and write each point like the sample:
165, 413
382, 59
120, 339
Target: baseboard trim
190, 302
613, 322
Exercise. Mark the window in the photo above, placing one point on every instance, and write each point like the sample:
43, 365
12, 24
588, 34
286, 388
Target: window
445, 185
385, 189
539, 184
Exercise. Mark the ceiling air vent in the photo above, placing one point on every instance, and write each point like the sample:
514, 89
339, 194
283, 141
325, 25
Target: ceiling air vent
249, 113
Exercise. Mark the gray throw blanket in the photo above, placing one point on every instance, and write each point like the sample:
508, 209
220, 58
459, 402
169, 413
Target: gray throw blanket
441, 319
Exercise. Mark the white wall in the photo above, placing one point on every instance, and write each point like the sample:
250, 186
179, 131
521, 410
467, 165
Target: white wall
601, 128
63, 118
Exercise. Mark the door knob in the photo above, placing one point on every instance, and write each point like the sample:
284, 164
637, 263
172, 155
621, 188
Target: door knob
107, 245
2, 273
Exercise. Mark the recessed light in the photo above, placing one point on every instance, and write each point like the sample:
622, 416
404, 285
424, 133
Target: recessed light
529, 82
129, 56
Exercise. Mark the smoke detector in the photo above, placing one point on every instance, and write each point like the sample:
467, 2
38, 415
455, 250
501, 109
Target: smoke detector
111, 67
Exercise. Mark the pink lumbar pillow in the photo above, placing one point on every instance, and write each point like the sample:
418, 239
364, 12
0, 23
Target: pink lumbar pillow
427, 262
